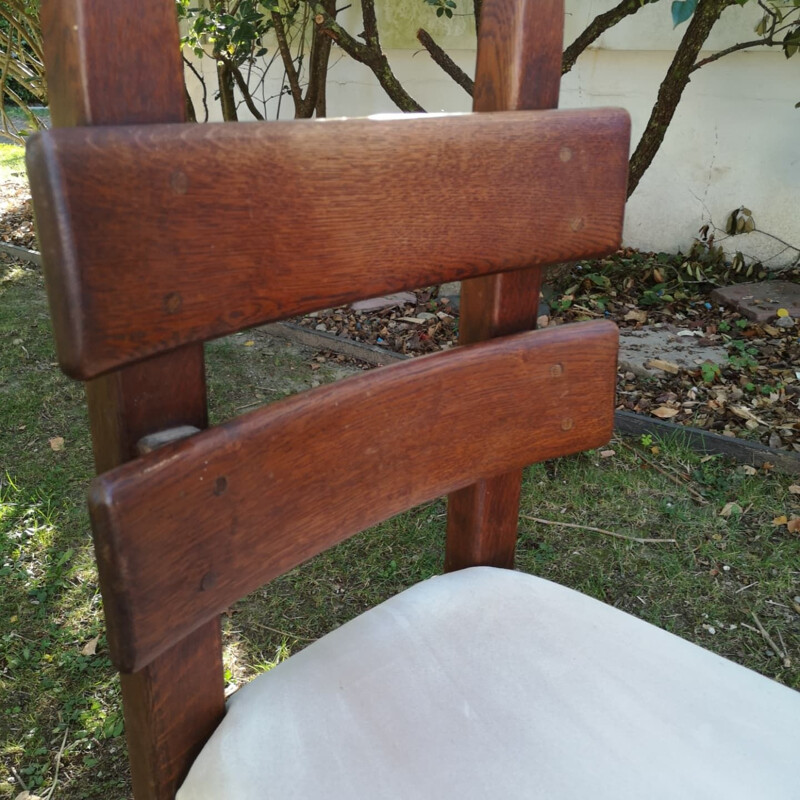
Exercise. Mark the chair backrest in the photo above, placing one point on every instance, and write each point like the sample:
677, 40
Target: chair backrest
126, 209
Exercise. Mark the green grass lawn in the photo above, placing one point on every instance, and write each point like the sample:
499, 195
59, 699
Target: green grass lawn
61, 695
12, 160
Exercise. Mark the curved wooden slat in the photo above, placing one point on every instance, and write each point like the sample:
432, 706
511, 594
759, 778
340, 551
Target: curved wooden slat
271, 220
183, 532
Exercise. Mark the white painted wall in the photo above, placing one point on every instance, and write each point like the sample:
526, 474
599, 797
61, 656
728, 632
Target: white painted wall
734, 140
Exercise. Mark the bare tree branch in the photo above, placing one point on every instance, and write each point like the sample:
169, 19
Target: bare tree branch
675, 81
598, 26
288, 61
370, 54
445, 62
244, 90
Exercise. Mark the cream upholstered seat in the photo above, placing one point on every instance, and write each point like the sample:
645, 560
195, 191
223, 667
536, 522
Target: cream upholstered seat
488, 683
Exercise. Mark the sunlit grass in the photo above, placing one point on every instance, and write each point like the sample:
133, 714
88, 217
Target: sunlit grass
51, 611
12, 160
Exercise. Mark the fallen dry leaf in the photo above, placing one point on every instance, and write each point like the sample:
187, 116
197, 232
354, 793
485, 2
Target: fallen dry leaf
57, 443
664, 366
664, 412
748, 470
607, 453
90, 648
744, 413
249, 343
730, 508
781, 520
794, 488
793, 525
636, 316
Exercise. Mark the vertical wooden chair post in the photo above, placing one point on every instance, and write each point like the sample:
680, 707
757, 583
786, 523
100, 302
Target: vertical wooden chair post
518, 68
116, 63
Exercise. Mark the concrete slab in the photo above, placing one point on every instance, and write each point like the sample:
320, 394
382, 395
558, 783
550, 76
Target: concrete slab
760, 301
638, 348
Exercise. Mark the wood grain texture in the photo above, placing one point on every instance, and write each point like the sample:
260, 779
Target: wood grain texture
185, 531
112, 63
518, 68
171, 708
128, 404
407, 202
519, 55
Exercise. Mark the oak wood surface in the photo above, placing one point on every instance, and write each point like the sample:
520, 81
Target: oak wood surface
408, 203
105, 67
186, 530
518, 68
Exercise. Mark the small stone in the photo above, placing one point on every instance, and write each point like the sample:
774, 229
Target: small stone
426, 315
388, 301
320, 327
784, 322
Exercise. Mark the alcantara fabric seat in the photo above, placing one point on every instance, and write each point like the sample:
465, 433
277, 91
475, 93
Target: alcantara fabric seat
489, 683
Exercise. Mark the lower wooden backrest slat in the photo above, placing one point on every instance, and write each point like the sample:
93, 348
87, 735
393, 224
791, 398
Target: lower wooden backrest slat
157, 236
185, 531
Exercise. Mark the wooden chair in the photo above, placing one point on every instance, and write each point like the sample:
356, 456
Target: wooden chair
482, 682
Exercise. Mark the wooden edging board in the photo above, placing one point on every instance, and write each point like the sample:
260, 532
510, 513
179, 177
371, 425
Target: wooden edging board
625, 422
22, 253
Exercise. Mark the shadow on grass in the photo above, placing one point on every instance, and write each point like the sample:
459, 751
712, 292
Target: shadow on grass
59, 687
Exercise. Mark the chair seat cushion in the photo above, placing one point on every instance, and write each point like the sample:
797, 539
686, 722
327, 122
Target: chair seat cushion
489, 683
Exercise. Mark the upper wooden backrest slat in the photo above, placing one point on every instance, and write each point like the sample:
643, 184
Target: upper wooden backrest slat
185, 531
157, 236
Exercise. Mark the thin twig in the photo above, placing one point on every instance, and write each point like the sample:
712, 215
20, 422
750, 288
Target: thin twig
783, 645
636, 539
767, 637
249, 405
674, 478
749, 627
749, 586
282, 633
60, 753
586, 310
18, 778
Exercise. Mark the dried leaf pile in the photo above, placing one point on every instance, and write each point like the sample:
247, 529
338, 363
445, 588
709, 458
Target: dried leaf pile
16, 214
427, 324
755, 394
